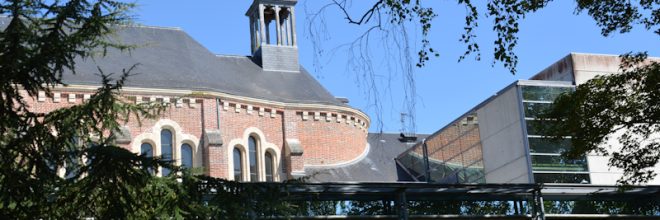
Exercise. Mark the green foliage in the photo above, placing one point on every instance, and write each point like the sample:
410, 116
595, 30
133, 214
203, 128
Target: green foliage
42, 41
610, 16
649, 207
618, 108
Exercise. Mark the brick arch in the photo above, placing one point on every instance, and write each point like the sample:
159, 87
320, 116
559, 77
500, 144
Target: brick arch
179, 137
262, 147
236, 144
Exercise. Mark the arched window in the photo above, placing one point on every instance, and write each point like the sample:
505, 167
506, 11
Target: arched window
186, 156
268, 161
166, 148
72, 163
252, 148
147, 150
238, 165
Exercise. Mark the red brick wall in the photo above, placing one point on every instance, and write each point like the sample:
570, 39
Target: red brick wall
330, 142
324, 141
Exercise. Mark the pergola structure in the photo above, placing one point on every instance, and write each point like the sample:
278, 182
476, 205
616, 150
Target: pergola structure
525, 200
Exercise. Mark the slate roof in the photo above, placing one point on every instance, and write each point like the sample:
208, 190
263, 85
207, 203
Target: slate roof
169, 58
377, 166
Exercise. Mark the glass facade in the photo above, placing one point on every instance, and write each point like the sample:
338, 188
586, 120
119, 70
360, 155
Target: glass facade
453, 155
548, 166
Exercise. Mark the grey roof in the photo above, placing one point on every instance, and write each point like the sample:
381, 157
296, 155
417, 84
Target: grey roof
377, 166
169, 58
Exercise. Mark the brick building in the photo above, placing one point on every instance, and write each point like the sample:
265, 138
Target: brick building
252, 118
263, 117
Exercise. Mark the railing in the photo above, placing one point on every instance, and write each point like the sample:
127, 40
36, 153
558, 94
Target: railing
442, 201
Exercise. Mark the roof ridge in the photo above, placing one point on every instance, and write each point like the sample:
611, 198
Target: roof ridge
153, 27
129, 25
231, 55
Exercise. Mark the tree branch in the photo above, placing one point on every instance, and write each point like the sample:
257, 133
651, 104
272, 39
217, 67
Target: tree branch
365, 17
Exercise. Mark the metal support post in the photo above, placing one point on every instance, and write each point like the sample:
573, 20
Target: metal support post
402, 205
427, 167
534, 208
541, 207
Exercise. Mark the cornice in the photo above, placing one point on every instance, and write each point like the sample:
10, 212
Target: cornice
223, 96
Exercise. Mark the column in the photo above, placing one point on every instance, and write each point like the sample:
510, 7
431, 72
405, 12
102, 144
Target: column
278, 26
292, 14
262, 24
288, 29
253, 42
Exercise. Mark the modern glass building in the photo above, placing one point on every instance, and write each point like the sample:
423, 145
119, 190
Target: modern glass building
499, 140
452, 155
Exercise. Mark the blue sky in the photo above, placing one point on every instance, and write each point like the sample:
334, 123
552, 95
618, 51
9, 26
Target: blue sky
445, 88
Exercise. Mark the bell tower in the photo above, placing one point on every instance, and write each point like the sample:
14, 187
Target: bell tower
273, 35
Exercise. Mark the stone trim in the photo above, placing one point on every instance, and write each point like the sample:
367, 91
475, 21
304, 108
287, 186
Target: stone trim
249, 108
263, 146
295, 148
72, 98
41, 96
152, 137
348, 115
213, 138
179, 93
57, 97
331, 117
123, 136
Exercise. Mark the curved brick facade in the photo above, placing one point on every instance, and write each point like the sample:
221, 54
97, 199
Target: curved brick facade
230, 103
329, 135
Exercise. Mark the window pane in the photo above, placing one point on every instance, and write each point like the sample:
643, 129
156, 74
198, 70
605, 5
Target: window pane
253, 159
238, 165
535, 127
557, 163
542, 93
268, 160
549, 146
534, 109
71, 165
147, 150
561, 178
186, 156
166, 148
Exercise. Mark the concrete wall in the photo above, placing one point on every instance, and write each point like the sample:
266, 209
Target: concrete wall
505, 155
588, 66
580, 67
561, 70
602, 174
